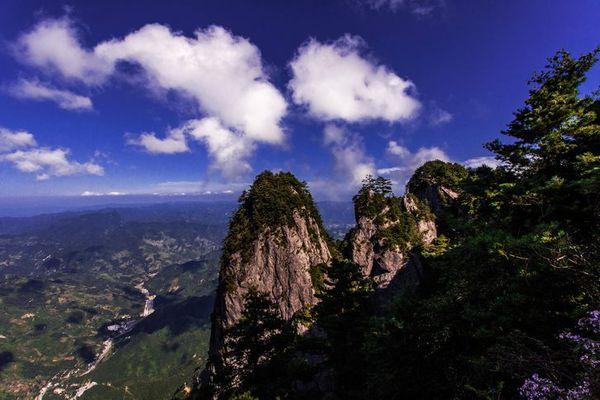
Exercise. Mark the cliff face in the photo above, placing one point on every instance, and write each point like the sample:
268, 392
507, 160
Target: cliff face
274, 239
424, 219
279, 265
387, 228
435, 183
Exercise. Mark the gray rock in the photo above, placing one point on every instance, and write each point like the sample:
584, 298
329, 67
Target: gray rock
280, 266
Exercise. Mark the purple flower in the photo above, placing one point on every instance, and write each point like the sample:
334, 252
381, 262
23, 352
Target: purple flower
588, 350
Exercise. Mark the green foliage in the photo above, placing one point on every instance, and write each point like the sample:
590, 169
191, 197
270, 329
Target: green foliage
372, 197
520, 266
343, 313
396, 226
269, 204
317, 276
434, 173
422, 212
259, 352
402, 233
553, 165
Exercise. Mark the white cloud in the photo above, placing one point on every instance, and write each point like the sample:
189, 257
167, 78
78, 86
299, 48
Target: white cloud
336, 83
46, 163
229, 150
484, 160
352, 164
10, 140
439, 116
408, 161
29, 89
221, 72
54, 44
397, 150
425, 154
20, 149
174, 142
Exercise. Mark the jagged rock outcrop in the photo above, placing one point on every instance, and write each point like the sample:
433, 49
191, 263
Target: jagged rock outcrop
274, 240
387, 228
435, 183
425, 221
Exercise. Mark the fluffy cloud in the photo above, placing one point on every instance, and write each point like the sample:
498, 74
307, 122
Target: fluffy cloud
54, 44
30, 89
174, 142
10, 140
335, 82
20, 149
221, 72
397, 150
475, 162
352, 164
408, 161
229, 150
47, 163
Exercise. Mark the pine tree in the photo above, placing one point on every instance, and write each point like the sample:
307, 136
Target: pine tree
343, 313
258, 346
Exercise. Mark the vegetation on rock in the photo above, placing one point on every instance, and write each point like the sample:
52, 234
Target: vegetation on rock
396, 226
436, 173
270, 203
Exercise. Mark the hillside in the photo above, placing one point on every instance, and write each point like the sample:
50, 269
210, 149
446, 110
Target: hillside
74, 289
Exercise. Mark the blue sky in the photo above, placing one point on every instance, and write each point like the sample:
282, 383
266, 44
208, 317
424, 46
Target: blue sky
198, 96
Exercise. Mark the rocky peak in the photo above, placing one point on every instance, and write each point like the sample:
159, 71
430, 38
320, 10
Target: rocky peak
387, 228
436, 183
275, 239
